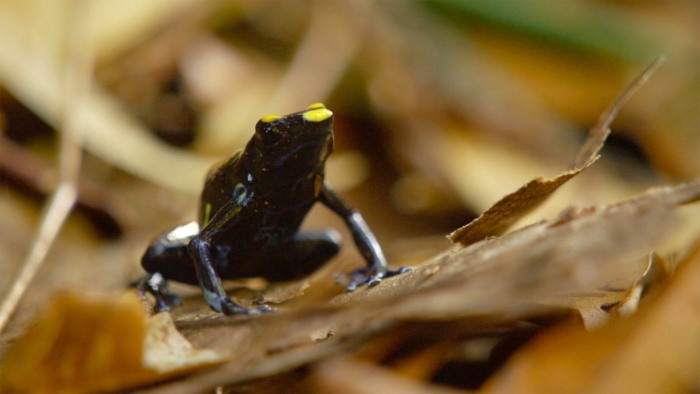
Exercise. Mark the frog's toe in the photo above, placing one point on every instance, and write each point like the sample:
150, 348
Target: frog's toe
229, 307
253, 311
360, 277
399, 271
375, 280
263, 309
371, 277
173, 299
157, 286
161, 305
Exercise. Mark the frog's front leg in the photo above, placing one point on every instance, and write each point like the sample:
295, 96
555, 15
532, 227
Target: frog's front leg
200, 248
367, 244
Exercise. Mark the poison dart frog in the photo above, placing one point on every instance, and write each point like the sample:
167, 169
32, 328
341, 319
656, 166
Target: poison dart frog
250, 212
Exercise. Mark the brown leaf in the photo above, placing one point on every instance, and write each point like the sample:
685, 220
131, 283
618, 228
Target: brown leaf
622, 294
167, 351
504, 213
653, 351
508, 210
583, 253
82, 344
657, 273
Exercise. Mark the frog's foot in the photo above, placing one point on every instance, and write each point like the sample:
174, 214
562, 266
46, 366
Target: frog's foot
371, 276
228, 307
157, 286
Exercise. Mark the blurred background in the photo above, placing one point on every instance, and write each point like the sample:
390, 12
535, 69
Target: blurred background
442, 107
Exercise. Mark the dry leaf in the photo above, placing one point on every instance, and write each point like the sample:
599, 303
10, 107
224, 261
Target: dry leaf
654, 351
83, 344
508, 210
497, 219
657, 273
582, 253
622, 294
166, 350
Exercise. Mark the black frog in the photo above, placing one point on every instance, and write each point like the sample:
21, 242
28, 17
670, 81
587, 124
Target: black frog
250, 212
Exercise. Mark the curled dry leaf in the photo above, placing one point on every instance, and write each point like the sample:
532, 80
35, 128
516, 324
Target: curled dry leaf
81, 344
167, 351
622, 294
504, 213
657, 273
508, 210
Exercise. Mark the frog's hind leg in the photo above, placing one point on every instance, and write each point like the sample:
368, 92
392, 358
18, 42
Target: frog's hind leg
308, 251
157, 286
168, 255
167, 258
164, 261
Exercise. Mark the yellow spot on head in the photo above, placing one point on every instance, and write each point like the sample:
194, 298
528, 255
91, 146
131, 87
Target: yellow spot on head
269, 118
316, 106
317, 115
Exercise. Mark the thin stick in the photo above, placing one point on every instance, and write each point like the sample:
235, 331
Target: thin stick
77, 79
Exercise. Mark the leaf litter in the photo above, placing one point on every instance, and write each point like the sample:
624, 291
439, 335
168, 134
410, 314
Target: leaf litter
484, 285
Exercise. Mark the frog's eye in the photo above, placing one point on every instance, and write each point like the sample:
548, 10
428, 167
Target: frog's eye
267, 130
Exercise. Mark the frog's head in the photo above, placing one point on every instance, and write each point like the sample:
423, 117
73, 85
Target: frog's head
294, 145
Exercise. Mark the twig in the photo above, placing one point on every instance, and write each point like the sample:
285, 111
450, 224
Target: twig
78, 77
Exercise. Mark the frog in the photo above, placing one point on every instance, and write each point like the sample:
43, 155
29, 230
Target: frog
250, 214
